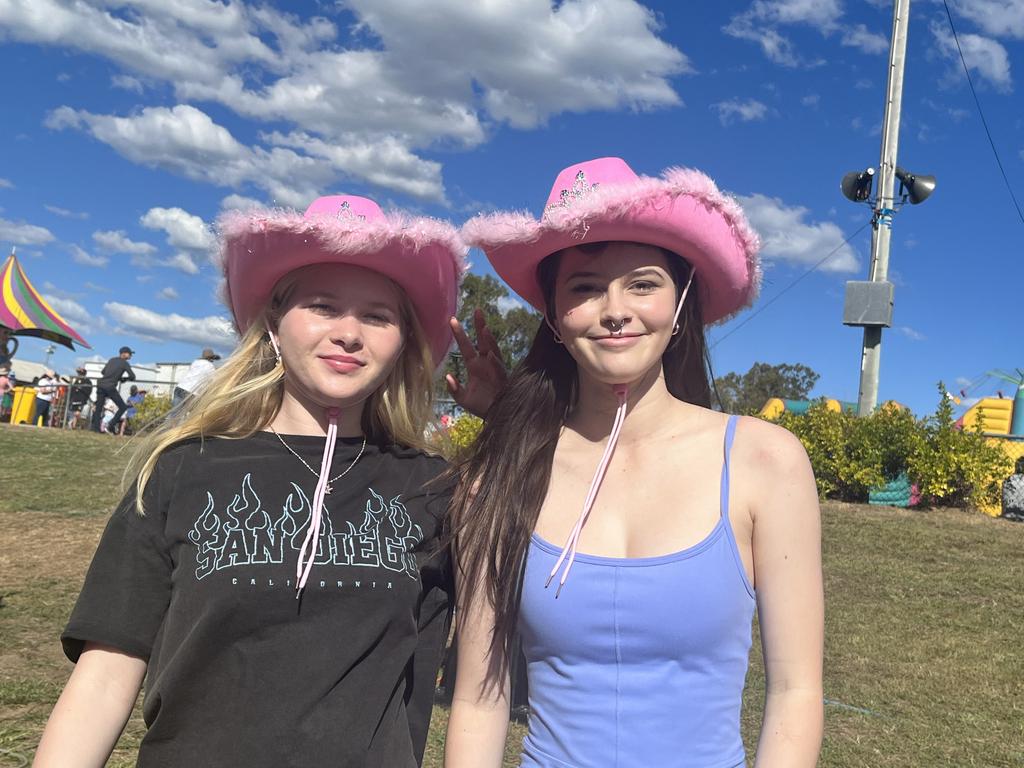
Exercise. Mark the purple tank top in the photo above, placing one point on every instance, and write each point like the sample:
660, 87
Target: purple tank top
640, 662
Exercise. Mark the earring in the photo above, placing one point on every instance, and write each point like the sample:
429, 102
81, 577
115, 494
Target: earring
554, 331
273, 343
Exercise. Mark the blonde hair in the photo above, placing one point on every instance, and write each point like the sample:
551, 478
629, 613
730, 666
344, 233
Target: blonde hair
244, 395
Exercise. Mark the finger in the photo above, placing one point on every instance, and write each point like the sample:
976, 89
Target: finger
461, 339
453, 388
489, 342
485, 341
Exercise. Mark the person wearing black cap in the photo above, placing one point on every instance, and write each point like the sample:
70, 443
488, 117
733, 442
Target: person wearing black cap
114, 372
80, 390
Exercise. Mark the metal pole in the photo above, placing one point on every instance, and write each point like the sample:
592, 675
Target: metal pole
871, 352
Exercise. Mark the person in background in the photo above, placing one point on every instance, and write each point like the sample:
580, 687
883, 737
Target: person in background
78, 394
114, 372
202, 368
1013, 493
6, 394
135, 398
46, 388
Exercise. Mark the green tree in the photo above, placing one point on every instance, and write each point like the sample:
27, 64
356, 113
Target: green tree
749, 392
513, 329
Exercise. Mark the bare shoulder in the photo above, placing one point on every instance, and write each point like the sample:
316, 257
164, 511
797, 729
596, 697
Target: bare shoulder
774, 471
764, 447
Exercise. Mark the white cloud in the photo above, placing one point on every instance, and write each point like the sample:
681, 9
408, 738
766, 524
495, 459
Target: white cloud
80, 256
811, 100
184, 230
761, 23
74, 313
999, 18
863, 84
424, 80
127, 83
239, 203
787, 235
184, 140
65, 213
736, 109
214, 330
182, 261
860, 37
506, 304
116, 241
6, 184
167, 293
911, 334
23, 233
985, 57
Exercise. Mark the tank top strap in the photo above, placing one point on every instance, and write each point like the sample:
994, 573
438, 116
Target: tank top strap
730, 433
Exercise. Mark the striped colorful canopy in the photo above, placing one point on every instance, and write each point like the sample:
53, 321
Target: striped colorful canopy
26, 313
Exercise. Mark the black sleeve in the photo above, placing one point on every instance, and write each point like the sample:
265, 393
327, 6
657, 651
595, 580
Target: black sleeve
128, 370
434, 625
127, 589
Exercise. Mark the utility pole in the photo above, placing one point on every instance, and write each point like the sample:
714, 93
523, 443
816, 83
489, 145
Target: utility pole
871, 352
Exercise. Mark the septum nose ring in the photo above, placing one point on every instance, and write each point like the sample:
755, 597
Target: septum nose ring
617, 326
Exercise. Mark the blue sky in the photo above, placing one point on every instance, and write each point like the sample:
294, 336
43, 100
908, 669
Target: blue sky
128, 125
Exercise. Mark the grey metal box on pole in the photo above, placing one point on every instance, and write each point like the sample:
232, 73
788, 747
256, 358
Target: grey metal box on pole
868, 303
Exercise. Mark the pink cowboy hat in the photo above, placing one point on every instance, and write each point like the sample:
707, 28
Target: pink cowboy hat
602, 200
425, 257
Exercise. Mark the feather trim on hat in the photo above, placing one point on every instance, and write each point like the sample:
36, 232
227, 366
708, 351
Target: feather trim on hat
610, 201
343, 236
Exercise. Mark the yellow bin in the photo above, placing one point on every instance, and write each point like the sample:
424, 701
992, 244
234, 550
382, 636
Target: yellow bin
23, 409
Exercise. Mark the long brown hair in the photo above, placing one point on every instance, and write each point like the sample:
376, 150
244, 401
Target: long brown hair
505, 480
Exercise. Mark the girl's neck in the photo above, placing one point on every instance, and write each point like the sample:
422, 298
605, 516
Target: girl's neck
649, 400
301, 416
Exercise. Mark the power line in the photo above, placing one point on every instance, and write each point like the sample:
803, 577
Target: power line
781, 293
984, 122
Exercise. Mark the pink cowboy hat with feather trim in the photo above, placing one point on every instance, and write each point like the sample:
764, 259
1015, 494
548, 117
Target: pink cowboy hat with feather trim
603, 200
423, 256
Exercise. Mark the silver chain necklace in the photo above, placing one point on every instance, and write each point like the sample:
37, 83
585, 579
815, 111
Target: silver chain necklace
317, 474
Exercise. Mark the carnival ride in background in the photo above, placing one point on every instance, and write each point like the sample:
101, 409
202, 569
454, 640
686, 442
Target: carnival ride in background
24, 312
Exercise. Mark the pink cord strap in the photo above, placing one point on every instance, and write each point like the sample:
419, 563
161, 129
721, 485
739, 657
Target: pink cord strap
574, 536
312, 539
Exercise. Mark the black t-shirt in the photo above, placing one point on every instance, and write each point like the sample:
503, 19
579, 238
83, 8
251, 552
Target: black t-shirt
203, 587
114, 371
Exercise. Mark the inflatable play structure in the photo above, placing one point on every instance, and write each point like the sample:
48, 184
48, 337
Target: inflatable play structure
776, 406
1001, 419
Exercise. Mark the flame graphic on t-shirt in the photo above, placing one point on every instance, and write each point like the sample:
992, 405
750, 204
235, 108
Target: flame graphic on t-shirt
247, 534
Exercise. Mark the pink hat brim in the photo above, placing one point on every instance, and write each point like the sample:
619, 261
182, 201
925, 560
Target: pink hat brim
683, 212
423, 256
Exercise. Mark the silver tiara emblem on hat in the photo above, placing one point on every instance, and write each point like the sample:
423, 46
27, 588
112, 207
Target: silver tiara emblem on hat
579, 190
345, 213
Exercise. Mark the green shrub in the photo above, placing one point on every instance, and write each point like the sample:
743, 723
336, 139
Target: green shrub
453, 440
957, 467
852, 455
149, 411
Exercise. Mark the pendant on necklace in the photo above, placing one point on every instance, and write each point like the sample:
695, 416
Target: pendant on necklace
329, 489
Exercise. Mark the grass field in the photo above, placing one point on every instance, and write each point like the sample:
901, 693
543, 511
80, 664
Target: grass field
924, 636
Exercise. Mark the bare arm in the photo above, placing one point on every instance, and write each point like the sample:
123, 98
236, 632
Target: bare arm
790, 602
92, 711
478, 724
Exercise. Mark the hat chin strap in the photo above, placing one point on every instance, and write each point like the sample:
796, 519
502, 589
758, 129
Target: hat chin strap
312, 540
568, 555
